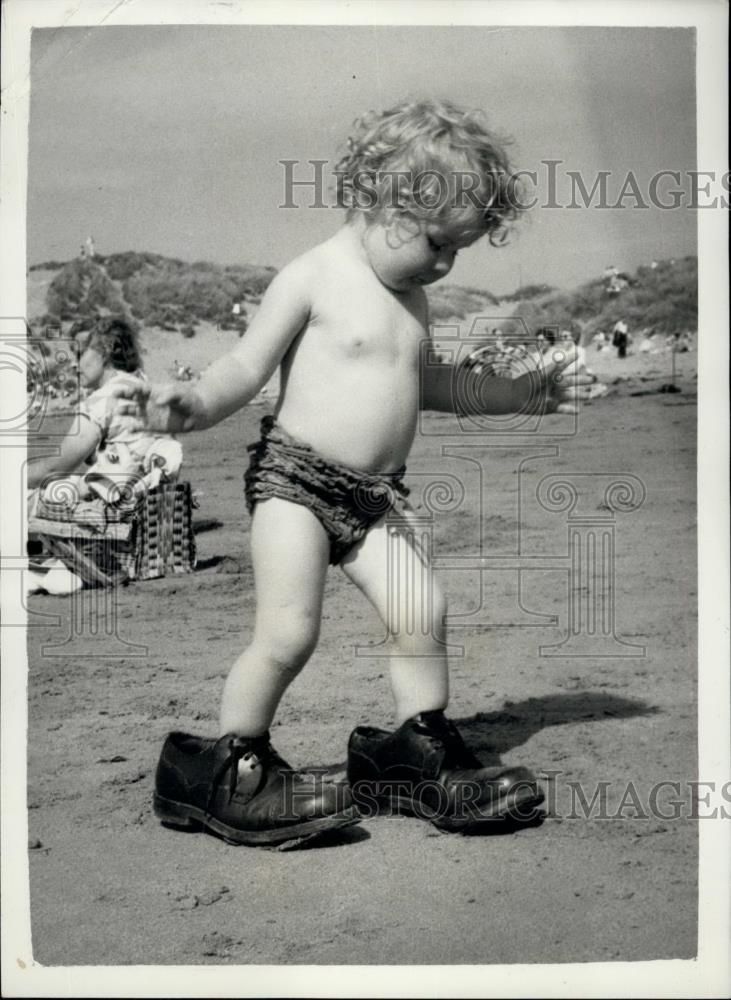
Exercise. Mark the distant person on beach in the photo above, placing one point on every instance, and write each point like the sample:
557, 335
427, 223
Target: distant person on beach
620, 338
347, 322
682, 342
183, 373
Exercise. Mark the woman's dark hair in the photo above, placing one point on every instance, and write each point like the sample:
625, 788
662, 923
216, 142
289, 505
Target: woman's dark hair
116, 340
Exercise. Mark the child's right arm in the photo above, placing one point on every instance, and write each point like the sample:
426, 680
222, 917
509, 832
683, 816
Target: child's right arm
234, 379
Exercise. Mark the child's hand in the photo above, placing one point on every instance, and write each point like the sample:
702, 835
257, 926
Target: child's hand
162, 409
566, 384
170, 408
119, 397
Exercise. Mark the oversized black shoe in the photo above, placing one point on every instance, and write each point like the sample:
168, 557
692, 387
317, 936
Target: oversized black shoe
425, 769
241, 789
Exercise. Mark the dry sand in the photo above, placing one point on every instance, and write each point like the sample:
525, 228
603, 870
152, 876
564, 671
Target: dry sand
110, 885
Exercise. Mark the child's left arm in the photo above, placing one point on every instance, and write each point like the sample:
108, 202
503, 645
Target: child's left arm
465, 391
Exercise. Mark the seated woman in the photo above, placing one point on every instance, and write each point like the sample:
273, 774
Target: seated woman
99, 436
103, 462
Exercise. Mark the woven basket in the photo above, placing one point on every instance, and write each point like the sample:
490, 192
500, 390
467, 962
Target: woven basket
153, 539
163, 542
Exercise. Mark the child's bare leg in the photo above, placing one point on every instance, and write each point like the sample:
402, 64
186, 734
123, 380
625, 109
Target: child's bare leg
388, 567
238, 786
423, 766
290, 553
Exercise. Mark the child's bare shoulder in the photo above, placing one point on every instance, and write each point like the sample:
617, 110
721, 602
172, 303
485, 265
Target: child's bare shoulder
295, 285
303, 274
296, 272
318, 269
313, 259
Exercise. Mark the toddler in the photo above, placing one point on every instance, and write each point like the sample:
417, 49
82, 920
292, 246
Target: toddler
346, 322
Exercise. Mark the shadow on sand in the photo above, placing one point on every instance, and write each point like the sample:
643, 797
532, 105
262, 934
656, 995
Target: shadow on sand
491, 734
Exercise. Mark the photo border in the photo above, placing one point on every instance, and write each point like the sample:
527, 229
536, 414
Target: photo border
709, 973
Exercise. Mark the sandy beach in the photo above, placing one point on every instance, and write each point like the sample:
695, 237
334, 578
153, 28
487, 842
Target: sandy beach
109, 676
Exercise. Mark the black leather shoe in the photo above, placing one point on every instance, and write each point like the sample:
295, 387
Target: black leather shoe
241, 789
425, 769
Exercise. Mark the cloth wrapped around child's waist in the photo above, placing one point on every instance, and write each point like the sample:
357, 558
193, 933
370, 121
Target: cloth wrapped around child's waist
346, 501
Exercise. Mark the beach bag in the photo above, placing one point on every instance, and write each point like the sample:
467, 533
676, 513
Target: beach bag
147, 537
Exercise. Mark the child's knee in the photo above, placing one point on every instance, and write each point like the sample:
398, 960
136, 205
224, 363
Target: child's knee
290, 643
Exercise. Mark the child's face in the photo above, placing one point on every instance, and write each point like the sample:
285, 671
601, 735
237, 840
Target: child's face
409, 253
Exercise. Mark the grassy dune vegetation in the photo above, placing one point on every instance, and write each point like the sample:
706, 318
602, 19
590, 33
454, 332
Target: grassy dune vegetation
663, 299
155, 291
176, 296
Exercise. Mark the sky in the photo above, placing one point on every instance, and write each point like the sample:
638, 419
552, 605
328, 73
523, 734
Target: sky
168, 138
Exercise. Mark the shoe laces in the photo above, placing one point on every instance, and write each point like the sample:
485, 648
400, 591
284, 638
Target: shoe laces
258, 750
444, 735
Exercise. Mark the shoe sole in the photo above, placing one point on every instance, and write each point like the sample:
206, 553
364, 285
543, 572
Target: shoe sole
518, 806
184, 816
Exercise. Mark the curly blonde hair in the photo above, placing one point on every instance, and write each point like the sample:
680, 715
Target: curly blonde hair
435, 161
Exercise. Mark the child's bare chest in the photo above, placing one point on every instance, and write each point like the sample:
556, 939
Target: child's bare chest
378, 326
